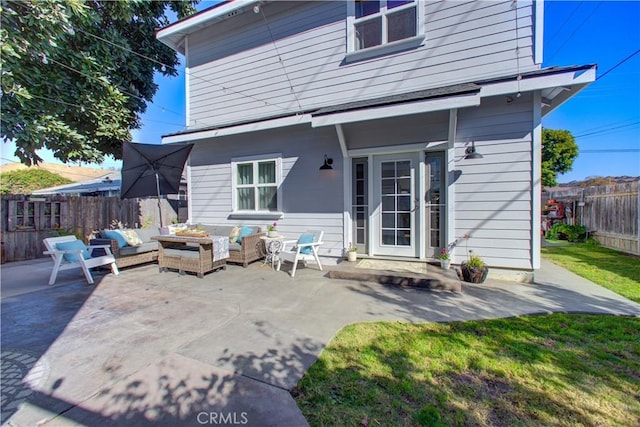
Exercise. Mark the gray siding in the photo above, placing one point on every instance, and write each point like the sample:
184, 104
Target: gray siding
494, 194
236, 74
312, 199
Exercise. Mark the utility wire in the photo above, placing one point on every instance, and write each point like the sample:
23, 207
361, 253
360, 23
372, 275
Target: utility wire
224, 88
606, 130
102, 82
615, 150
273, 41
618, 64
584, 21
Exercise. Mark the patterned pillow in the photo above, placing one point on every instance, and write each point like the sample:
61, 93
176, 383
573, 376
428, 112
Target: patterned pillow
131, 237
233, 236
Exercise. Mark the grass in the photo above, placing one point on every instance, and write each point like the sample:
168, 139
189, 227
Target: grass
611, 269
539, 370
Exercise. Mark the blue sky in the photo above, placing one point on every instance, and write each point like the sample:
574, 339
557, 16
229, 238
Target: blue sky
605, 116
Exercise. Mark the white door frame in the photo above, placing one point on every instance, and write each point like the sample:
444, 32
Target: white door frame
413, 250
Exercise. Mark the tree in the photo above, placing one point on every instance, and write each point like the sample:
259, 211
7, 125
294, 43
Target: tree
26, 181
71, 81
559, 150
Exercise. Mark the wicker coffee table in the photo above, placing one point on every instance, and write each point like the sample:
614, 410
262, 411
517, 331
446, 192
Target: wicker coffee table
193, 254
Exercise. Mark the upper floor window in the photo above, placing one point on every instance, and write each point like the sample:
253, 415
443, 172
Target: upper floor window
256, 182
379, 22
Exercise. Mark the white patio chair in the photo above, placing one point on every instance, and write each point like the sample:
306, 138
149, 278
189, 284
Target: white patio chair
294, 250
60, 262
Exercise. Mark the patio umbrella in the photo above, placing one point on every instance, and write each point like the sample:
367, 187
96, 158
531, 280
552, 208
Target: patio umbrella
152, 170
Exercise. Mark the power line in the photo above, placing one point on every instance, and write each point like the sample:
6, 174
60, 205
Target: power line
273, 41
224, 88
614, 150
104, 83
606, 130
584, 21
618, 64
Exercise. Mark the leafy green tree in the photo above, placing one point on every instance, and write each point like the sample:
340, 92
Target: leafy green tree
559, 150
71, 81
26, 181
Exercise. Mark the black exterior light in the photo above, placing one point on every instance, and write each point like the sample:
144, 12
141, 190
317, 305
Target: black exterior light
471, 153
327, 164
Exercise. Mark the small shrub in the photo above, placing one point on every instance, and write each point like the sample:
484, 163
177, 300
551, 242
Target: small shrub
475, 261
572, 233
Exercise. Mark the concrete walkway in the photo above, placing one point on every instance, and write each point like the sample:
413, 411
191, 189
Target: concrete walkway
150, 348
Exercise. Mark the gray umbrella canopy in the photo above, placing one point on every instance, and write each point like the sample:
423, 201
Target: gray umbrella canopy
152, 170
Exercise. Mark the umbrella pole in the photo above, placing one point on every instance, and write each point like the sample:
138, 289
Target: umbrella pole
158, 189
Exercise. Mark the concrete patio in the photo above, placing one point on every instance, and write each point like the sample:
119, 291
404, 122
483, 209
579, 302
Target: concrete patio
150, 348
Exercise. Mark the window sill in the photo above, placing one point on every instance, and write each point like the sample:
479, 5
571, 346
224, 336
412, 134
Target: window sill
267, 216
385, 49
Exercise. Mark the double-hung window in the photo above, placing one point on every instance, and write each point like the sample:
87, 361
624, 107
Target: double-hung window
380, 22
255, 184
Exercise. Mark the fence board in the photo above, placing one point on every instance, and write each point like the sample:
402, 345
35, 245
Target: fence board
80, 215
610, 212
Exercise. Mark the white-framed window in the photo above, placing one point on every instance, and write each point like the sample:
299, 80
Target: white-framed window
376, 23
256, 182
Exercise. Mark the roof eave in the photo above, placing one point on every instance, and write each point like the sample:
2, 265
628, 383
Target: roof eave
175, 34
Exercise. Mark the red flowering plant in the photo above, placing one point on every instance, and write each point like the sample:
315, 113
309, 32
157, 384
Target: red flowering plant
444, 254
272, 227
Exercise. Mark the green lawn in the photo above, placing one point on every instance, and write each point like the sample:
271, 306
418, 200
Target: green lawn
612, 269
538, 370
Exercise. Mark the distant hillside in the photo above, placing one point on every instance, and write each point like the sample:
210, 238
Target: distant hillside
73, 173
600, 180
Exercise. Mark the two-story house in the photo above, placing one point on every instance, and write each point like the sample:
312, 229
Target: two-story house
399, 126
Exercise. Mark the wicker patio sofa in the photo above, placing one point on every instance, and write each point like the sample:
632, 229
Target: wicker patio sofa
126, 255
250, 249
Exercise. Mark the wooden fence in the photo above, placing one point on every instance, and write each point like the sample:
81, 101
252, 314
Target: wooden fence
26, 220
610, 213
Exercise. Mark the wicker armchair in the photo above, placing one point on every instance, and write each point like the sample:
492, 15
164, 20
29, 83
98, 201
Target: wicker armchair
251, 249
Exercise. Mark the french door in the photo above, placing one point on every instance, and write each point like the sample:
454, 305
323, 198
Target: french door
394, 222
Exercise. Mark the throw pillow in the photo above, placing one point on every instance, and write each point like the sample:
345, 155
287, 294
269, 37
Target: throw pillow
73, 245
306, 238
233, 236
117, 236
131, 237
244, 231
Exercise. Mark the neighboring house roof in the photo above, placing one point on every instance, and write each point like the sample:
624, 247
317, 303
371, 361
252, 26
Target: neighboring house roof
109, 185
74, 173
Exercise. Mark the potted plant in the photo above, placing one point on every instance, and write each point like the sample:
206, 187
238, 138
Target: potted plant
445, 259
352, 253
272, 230
474, 270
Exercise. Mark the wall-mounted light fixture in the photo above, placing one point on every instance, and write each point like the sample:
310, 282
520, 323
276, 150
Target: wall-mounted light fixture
327, 164
471, 153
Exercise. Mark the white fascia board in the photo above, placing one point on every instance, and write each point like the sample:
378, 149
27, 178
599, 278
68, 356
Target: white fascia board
173, 34
404, 109
239, 129
529, 84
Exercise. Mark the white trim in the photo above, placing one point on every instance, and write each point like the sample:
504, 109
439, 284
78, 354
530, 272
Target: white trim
347, 186
385, 49
187, 85
536, 180
530, 84
174, 33
342, 140
403, 109
539, 34
421, 209
393, 149
189, 192
277, 157
238, 129
449, 181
